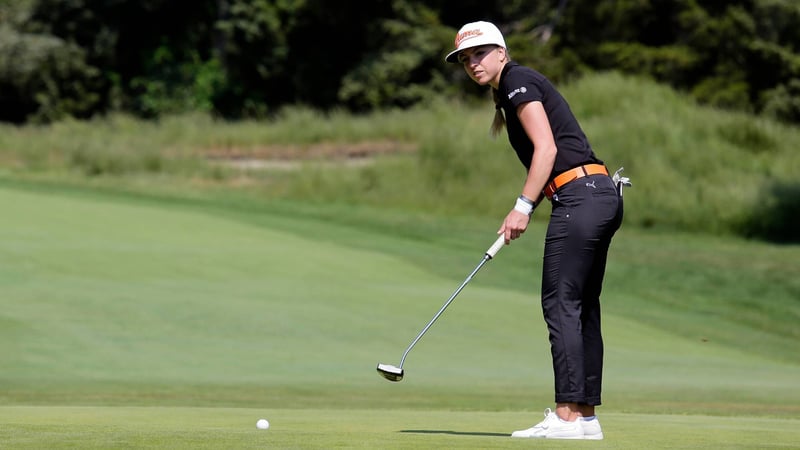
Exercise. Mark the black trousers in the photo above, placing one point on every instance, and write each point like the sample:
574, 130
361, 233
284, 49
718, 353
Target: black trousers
586, 213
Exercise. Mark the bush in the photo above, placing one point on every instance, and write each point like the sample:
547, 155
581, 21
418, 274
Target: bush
723, 92
783, 102
43, 78
174, 87
775, 216
667, 63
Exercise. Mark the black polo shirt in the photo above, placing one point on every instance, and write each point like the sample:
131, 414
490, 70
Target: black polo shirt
520, 84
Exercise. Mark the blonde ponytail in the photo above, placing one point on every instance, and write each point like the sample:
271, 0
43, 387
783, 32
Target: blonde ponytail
499, 119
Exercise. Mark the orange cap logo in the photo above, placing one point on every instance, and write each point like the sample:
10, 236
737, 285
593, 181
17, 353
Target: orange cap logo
469, 34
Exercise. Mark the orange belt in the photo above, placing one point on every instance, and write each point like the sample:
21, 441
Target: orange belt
573, 174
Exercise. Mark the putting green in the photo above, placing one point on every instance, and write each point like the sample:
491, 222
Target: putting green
146, 323
191, 428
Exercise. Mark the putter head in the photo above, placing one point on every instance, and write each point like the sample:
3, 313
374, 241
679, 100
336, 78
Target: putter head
390, 372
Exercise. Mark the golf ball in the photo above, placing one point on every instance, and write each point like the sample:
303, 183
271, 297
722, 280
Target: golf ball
262, 424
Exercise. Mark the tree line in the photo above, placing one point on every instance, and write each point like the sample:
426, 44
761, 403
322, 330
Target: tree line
249, 58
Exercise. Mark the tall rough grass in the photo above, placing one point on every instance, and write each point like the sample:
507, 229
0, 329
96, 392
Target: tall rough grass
693, 168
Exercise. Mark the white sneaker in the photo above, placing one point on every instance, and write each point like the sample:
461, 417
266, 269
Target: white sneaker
552, 427
591, 429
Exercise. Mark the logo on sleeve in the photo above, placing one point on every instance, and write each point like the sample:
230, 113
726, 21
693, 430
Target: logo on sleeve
516, 91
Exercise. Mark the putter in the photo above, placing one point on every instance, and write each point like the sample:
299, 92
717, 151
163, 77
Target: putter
395, 373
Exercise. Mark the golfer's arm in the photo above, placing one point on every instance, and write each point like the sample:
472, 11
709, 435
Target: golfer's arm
536, 124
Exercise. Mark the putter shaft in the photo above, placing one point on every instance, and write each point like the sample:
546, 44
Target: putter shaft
393, 373
441, 310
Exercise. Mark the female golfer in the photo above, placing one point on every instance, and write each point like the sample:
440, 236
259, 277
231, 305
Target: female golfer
586, 212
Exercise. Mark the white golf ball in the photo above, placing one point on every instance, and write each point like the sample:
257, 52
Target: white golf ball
262, 424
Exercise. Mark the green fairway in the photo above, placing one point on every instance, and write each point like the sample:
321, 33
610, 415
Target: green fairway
127, 322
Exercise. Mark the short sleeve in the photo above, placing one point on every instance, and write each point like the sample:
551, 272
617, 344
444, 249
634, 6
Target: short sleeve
520, 87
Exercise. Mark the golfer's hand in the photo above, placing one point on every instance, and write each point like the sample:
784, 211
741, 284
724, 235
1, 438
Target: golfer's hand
514, 225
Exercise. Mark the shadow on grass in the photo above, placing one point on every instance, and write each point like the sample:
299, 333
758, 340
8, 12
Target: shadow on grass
456, 433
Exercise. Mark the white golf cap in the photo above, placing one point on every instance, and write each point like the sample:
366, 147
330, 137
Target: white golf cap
473, 35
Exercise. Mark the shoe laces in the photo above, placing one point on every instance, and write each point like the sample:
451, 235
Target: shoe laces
549, 417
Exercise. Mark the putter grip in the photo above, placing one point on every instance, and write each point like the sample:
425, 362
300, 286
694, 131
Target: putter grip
498, 244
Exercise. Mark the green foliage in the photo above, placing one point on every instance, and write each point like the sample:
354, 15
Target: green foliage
13, 11
248, 59
398, 73
671, 62
703, 169
43, 78
148, 58
776, 213
694, 168
777, 20
783, 102
724, 54
723, 92
253, 48
95, 161
172, 87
